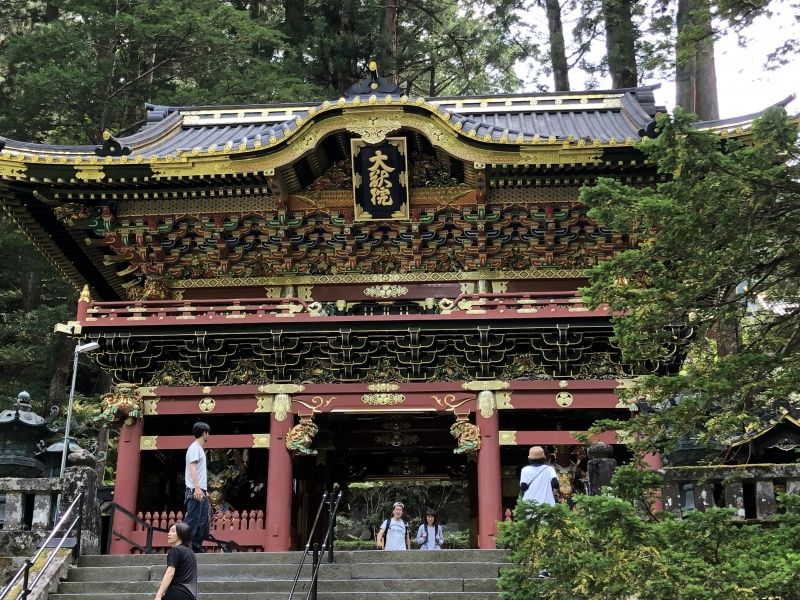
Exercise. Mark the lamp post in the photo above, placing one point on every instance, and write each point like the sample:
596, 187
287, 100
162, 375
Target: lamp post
79, 349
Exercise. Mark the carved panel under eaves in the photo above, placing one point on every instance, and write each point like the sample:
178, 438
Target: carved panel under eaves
230, 248
501, 351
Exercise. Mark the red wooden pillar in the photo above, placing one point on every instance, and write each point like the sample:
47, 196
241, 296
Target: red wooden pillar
654, 462
490, 499
126, 486
279, 487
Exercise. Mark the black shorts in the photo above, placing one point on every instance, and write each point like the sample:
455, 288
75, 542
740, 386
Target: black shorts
177, 592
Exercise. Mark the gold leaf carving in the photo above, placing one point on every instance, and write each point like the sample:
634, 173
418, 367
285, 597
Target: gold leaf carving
280, 388
373, 128
386, 291
149, 400
281, 405
383, 399
508, 438
503, 399
383, 387
263, 403
148, 442
488, 384
260, 440
564, 399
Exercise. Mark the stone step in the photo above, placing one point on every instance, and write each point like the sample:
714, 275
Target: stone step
360, 556
255, 572
282, 596
252, 587
356, 575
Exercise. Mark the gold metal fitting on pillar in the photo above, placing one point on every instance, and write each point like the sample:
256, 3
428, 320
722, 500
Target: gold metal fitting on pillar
486, 403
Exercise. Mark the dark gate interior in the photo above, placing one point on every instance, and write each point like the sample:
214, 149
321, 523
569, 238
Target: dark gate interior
396, 446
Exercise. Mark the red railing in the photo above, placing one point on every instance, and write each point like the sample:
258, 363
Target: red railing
245, 528
254, 310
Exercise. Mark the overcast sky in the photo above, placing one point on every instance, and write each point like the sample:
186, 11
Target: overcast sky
744, 85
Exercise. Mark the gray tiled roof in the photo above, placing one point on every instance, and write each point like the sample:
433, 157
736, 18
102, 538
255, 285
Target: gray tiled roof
607, 117
622, 116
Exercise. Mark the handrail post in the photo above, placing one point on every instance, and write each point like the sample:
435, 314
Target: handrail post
148, 544
25, 579
76, 551
314, 572
331, 525
111, 514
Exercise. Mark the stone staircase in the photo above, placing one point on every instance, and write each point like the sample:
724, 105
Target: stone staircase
361, 575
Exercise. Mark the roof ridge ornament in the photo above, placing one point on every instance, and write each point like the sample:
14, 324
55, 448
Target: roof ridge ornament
373, 84
111, 146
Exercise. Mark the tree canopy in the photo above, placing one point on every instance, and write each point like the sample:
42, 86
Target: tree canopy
717, 252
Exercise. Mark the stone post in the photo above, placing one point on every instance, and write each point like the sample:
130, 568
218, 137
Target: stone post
765, 499
734, 498
600, 467
654, 462
83, 478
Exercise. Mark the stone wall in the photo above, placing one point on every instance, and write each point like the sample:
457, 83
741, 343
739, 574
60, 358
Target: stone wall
750, 489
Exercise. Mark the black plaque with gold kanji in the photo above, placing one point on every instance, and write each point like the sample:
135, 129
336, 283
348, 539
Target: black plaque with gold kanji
380, 185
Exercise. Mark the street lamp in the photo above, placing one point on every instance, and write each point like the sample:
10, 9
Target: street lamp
79, 349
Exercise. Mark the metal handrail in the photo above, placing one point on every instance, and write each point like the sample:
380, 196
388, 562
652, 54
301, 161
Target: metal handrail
329, 539
308, 544
224, 545
24, 570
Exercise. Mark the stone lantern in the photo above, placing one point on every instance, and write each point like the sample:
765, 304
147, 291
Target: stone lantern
51, 456
21, 431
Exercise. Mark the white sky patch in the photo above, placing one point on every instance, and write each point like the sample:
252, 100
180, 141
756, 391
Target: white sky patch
744, 84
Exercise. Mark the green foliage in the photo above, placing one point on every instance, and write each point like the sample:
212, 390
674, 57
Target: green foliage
717, 251
32, 298
94, 66
604, 550
443, 47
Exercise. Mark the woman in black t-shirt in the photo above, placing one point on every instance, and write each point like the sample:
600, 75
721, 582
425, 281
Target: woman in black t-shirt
180, 579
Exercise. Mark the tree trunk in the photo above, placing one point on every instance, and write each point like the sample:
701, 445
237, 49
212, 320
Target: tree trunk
695, 72
59, 383
50, 13
620, 43
294, 28
32, 294
104, 385
558, 54
344, 71
388, 61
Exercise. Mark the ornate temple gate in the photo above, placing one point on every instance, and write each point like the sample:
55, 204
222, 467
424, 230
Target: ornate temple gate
301, 439
303, 275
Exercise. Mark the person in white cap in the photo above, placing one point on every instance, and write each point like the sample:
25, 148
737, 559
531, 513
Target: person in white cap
393, 534
538, 481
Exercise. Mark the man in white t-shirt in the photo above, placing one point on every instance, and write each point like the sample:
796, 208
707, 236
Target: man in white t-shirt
196, 480
538, 481
393, 534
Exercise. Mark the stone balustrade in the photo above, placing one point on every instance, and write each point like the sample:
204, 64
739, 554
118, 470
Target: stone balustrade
29, 508
750, 489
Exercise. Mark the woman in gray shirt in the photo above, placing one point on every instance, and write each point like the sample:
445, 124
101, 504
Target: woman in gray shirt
429, 534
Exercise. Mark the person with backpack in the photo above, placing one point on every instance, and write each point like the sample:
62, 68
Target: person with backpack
393, 534
429, 534
538, 481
